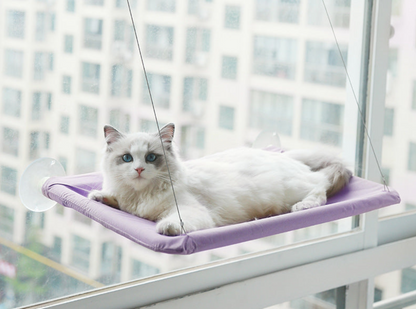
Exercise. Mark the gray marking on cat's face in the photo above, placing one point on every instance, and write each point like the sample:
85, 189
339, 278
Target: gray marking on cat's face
159, 162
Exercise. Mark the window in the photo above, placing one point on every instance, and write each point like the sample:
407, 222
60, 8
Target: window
6, 222
192, 140
68, 44
160, 87
229, 67
323, 64
140, 269
388, 121
120, 120
10, 141
70, 5
147, 125
93, 32
274, 57
195, 94
84, 161
87, 121
411, 165
271, 112
161, 5
94, 2
338, 10
64, 125
56, 250
111, 258
322, 122
64, 162
34, 146
12, 100
198, 42
408, 283
43, 62
91, 77
159, 42
41, 30
81, 248
232, 17
226, 117
8, 180
15, 24
66, 84
277, 10
121, 81
13, 63
123, 4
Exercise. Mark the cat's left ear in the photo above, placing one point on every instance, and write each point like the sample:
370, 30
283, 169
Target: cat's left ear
111, 134
167, 132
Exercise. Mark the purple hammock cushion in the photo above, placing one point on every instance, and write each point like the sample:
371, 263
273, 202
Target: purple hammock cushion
358, 197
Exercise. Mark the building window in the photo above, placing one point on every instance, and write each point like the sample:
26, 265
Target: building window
159, 42
66, 84
88, 121
6, 222
121, 81
111, 258
8, 182
277, 10
148, 125
93, 32
40, 31
15, 24
81, 248
271, 112
408, 283
64, 162
123, 4
229, 67
411, 165
120, 120
322, 122
56, 250
140, 269
195, 94
12, 99
37, 106
323, 64
64, 125
42, 62
232, 17
84, 161
70, 5
160, 87
10, 141
13, 63
338, 10
94, 2
192, 138
275, 57
388, 121
161, 5
34, 145
226, 117
91, 77
198, 41
68, 44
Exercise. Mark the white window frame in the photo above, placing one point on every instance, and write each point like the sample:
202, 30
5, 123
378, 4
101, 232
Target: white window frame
351, 259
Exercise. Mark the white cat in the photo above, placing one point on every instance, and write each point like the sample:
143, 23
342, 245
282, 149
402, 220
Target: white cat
229, 187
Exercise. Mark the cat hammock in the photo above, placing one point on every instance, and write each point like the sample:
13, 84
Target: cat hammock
358, 197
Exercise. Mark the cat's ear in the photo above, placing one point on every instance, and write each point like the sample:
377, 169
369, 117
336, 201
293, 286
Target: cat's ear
167, 133
111, 134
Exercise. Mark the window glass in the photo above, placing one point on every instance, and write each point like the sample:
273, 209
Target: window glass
399, 141
73, 67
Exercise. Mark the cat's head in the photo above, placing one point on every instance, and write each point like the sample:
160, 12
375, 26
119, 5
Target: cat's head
138, 160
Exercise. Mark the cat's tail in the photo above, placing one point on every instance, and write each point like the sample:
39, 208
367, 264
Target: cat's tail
329, 164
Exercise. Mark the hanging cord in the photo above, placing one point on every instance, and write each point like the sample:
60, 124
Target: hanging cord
355, 98
154, 113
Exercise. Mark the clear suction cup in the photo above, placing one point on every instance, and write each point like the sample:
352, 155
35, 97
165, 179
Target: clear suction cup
267, 139
33, 178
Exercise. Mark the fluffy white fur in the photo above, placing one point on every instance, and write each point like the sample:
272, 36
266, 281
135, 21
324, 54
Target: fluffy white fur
229, 187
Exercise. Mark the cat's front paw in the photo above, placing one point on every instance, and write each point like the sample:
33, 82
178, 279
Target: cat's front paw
304, 205
104, 198
169, 227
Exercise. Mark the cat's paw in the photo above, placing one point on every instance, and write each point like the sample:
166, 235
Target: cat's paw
104, 198
169, 227
304, 205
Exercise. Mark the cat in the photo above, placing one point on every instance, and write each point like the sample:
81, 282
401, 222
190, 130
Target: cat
229, 187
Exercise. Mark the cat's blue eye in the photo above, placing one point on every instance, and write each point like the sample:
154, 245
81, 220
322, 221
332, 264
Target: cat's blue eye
151, 157
127, 158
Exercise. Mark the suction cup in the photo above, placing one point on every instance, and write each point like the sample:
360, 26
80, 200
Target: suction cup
267, 139
33, 178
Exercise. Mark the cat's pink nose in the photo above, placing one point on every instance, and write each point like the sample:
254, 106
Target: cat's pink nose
139, 170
